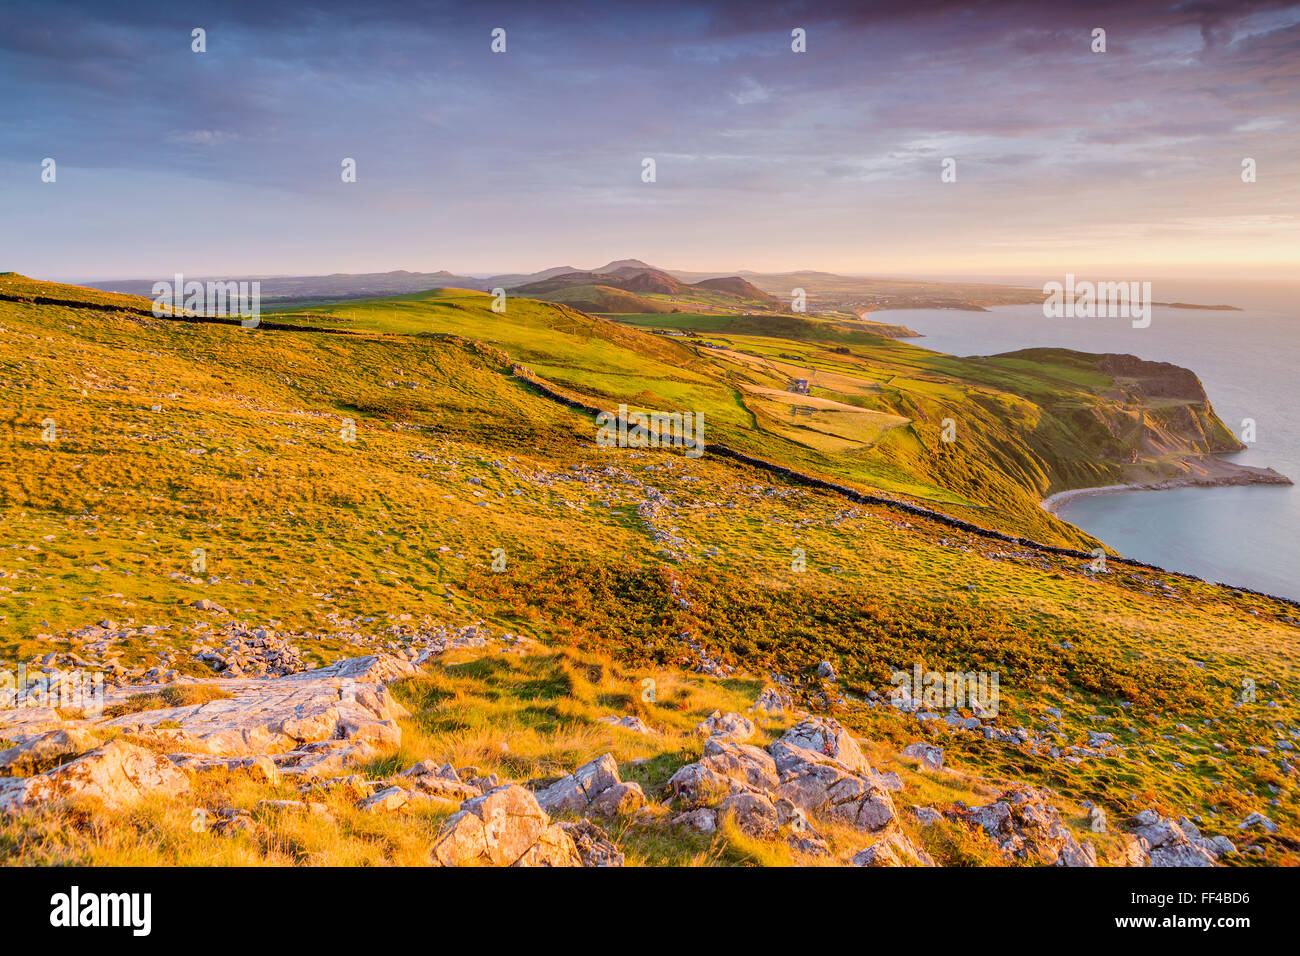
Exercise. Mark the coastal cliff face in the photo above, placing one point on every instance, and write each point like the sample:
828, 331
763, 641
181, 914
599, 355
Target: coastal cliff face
1152, 379
1071, 420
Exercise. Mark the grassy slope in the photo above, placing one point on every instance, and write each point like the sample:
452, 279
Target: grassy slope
1023, 428
244, 460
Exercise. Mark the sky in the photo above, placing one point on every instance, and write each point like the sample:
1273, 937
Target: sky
228, 162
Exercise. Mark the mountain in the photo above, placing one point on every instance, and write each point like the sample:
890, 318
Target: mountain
633, 265
652, 281
734, 285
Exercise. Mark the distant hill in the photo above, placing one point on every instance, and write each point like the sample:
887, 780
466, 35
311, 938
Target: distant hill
738, 287
824, 293
604, 299
336, 286
654, 281
631, 287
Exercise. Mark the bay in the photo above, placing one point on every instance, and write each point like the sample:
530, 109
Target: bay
1249, 362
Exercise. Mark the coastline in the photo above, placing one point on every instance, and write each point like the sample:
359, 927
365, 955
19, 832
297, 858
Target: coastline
1241, 475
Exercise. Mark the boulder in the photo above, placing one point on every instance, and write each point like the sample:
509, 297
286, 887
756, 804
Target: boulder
753, 814
727, 726
555, 847
630, 723
1257, 820
1024, 824
819, 784
618, 800
437, 781
772, 701
578, 790
33, 751
893, 849
388, 800
727, 767
495, 829
930, 755
593, 844
826, 736
701, 820
1162, 841
117, 774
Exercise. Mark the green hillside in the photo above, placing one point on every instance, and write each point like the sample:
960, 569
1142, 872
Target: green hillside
172, 436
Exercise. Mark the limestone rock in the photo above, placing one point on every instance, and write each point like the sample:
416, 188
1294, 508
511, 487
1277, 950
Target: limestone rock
258, 765
1162, 841
753, 814
619, 799
726, 767
632, 723
727, 726
930, 755
118, 774
388, 800
1024, 824
701, 820
772, 701
826, 736
1258, 820
893, 849
553, 848
594, 846
437, 781
575, 792
32, 751
495, 829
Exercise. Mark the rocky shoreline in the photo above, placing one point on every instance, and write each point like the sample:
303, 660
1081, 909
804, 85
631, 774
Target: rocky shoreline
1222, 474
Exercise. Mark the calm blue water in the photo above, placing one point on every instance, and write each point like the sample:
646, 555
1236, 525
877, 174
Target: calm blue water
1250, 364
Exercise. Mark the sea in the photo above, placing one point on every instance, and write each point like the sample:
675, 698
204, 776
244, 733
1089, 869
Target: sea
1249, 362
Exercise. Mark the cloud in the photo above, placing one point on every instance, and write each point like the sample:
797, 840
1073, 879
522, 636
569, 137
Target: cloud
749, 134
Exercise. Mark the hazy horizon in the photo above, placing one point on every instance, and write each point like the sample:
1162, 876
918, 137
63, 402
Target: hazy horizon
228, 161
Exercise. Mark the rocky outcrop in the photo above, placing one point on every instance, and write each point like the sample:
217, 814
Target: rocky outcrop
117, 775
311, 724
503, 827
1025, 825
930, 755
31, 752
1161, 841
726, 726
815, 771
594, 787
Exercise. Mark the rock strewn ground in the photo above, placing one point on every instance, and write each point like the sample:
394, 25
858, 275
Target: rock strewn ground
314, 725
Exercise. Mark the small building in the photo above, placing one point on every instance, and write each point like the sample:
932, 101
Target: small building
799, 386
